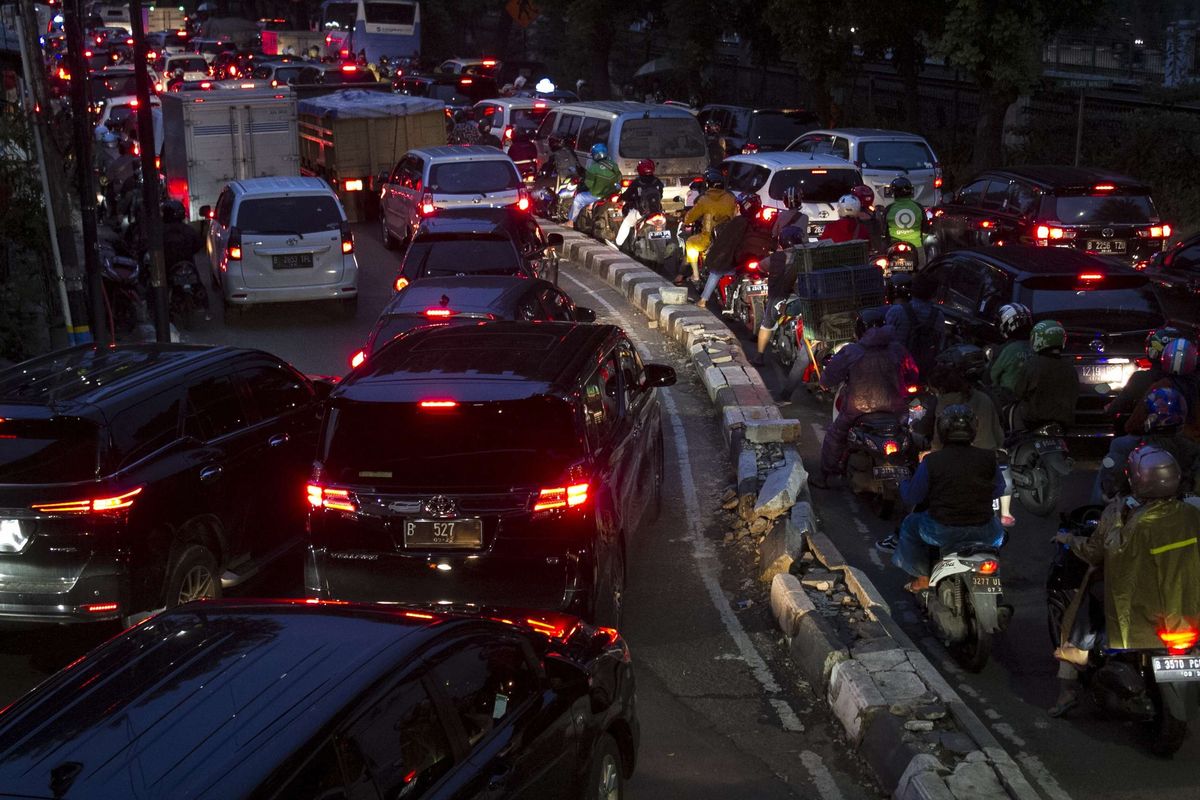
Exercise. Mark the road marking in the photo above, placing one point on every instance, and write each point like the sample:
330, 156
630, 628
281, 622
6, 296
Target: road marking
1006, 730
1038, 770
822, 779
787, 716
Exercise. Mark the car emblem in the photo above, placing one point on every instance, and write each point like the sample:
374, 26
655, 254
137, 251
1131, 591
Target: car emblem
476, 201
291, 242
1107, 233
1098, 345
440, 506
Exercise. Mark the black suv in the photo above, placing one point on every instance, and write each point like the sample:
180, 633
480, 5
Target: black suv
756, 130
278, 700
1106, 307
142, 476
1086, 209
509, 462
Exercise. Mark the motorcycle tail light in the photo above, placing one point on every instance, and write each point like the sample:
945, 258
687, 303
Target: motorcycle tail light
1179, 642
913, 389
890, 448
988, 567
752, 266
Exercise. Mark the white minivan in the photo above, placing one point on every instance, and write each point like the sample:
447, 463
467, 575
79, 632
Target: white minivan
276, 240
882, 156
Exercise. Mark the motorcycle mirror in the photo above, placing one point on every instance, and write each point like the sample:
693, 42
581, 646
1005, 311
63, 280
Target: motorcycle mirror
205, 212
554, 239
584, 314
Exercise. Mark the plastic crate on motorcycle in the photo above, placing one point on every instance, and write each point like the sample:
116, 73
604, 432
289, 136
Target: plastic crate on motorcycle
850, 282
831, 256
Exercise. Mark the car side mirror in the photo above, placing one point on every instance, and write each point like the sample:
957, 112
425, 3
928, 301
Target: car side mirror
323, 387
554, 239
584, 314
658, 375
205, 212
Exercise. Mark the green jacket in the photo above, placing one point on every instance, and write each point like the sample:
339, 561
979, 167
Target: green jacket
602, 178
904, 220
1008, 362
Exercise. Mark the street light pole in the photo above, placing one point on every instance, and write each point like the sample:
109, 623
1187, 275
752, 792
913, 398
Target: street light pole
151, 218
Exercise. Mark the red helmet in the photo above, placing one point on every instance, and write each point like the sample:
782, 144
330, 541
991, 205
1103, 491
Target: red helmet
865, 196
645, 167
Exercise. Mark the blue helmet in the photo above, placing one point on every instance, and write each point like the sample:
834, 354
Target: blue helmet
599, 151
1165, 408
1179, 357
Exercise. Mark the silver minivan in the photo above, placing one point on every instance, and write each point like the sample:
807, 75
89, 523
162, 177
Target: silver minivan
882, 155
632, 131
274, 240
432, 178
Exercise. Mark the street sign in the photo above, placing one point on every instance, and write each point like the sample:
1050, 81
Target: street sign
524, 12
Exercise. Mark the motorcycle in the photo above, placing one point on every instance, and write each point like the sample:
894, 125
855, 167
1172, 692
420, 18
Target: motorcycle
964, 602
744, 295
186, 291
1039, 460
880, 453
121, 279
1160, 689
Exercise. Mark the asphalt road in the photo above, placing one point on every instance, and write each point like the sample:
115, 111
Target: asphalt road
723, 712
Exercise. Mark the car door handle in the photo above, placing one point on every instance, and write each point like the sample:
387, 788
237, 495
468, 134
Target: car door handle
278, 440
210, 473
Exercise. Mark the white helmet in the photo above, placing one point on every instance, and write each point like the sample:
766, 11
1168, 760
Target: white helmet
848, 206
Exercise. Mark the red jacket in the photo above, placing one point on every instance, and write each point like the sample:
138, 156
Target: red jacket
845, 229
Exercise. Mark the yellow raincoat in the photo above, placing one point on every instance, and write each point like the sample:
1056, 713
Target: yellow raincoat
712, 208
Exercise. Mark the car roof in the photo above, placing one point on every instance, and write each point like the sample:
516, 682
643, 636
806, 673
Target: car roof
786, 159
490, 362
1061, 177
868, 133
88, 375
459, 152
618, 108
462, 293
1027, 261
758, 109
205, 700
273, 185
518, 102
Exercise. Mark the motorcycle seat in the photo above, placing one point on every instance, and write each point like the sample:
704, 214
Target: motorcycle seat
977, 550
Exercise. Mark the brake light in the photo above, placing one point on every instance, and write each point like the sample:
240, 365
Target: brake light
901, 247
988, 567
133, 103
328, 39
768, 213
1103, 187
987, 223
508, 133
561, 497
233, 250
349, 68
752, 266
438, 313
1156, 232
819, 171
98, 505
890, 448
539, 104
881, 262
937, 176
344, 53
427, 207
205, 84
1090, 277
436, 404
749, 148
1142, 363
246, 85
523, 202
334, 499
100, 608
400, 284
489, 62
347, 239
625, 182
1045, 233
357, 359
353, 185
88, 53
913, 389
466, 81
1179, 642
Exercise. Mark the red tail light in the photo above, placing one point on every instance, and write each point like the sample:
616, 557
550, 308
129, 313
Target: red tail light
1091, 277
98, 505
328, 39
1046, 233
768, 214
466, 81
438, 404
937, 176
353, 185
401, 284
508, 133
749, 148
890, 448
523, 202
1179, 642
427, 207
1142, 363
357, 359
625, 183
100, 608
349, 68
752, 266
913, 389
334, 499
347, 240
988, 567
1103, 187
205, 84
438, 313
1156, 232
561, 497
233, 250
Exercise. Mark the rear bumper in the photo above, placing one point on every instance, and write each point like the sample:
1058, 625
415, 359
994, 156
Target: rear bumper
238, 295
60, 594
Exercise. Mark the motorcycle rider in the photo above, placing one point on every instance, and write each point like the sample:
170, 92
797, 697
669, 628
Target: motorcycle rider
1134, 390
729, 241
1016, 321
523, 151
782, 274
714, 143
876, 371
712, 208
919, 324
905, 216
180, 240
485, 134
1146, 547
1178, 364
600, 180
791, 224
641, 198
1165, 414
847, 227
1047, 387
951, 492
867, 215
176, 79
464, 131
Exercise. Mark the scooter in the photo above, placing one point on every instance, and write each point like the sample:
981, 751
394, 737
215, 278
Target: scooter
122, 283
745, 294
187, 293
880, 453
1039, 460
965, 603
1160, 689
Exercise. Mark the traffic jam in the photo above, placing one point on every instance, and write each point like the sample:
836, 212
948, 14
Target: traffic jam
333, 471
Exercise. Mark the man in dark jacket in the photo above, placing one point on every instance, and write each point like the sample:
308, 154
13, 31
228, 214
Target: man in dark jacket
727, 245
1047, 387
918, 323
876, 371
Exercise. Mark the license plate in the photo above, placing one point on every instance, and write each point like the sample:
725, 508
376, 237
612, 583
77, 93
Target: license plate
1095, 374
1176, 669
1049, 445
659, 235
757, 288
421, 533
1106, 245
986, 584
891, 473
292, 261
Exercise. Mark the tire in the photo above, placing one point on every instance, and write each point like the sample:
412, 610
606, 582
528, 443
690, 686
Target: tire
1043, 501
608, 591
389, 241
972, 653
1165, 733
605, 775
193, 576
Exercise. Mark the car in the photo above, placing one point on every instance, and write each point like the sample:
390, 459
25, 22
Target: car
505, 462
756, 130
300, 699
632, 131
194, 67
428, 179
458, 92
273, 240
116, 81
468, 300
882, 156
211, 47
137, 477
1107, 308
823, 179
278, 73
467, 66
112, 105
512, 116
1051, 206
1179, 266
338, 74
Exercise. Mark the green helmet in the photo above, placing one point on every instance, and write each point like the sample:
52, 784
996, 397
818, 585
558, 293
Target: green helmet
1047, 335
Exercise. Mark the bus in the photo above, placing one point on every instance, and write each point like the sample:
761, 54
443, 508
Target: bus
389, 28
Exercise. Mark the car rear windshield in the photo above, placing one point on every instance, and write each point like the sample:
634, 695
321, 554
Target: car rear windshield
779, 127
288, 215
438, 257
448, 93
1106, 209
195, 64
529, 118
58, 450
473, 177
393, 325
1114, 302
494, 446
818, 185
662, 137
896, 154
111, 86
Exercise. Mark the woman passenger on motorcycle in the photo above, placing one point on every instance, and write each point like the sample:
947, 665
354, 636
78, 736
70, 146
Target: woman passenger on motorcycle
1178, 364
729, 241
846, 227
712, 208
641, 198
1147, 550
951, 494
1134, 390
868, 217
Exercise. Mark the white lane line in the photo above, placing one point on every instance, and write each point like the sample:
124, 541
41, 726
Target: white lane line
826, 786
1034, 766
787, 716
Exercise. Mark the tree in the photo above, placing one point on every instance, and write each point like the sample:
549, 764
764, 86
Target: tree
592, 27
816, 33
902, 32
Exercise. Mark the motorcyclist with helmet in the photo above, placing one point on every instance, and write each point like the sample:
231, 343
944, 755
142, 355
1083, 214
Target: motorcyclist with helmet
181, 242
1016, 322
712, 208
905, 217
642, 198
1165, 414
1178, 364
730, 241
1134, 390
1047, 386
599, 181
847, 227
1144, 559
867, 215
791, 224
714, 143
485, 134
951, 493
176, 80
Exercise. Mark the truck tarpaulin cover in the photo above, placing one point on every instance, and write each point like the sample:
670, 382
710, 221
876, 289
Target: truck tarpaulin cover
359, 103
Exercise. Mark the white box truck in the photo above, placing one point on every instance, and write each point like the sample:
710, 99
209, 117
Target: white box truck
213, 137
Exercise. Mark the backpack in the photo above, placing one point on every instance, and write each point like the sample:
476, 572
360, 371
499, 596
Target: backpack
924, 338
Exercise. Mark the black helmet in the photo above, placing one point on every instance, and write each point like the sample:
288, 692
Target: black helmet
902, 187
1153, 473
966, 359
866, 319
172, 211
555, 142
750, 204
793, 197
485, 126
714, 178
956, 424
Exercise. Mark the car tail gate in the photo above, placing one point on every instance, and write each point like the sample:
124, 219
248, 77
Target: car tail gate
294, 240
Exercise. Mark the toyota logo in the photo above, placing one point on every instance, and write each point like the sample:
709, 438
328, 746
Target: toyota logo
1098, 345
440, 506
292, 242
1107, 233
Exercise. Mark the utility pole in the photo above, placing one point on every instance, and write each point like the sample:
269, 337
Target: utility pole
81, 129
151, 218
68, 275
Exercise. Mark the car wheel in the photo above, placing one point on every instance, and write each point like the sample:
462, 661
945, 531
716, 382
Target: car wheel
193, 577
606, 779
389, 241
